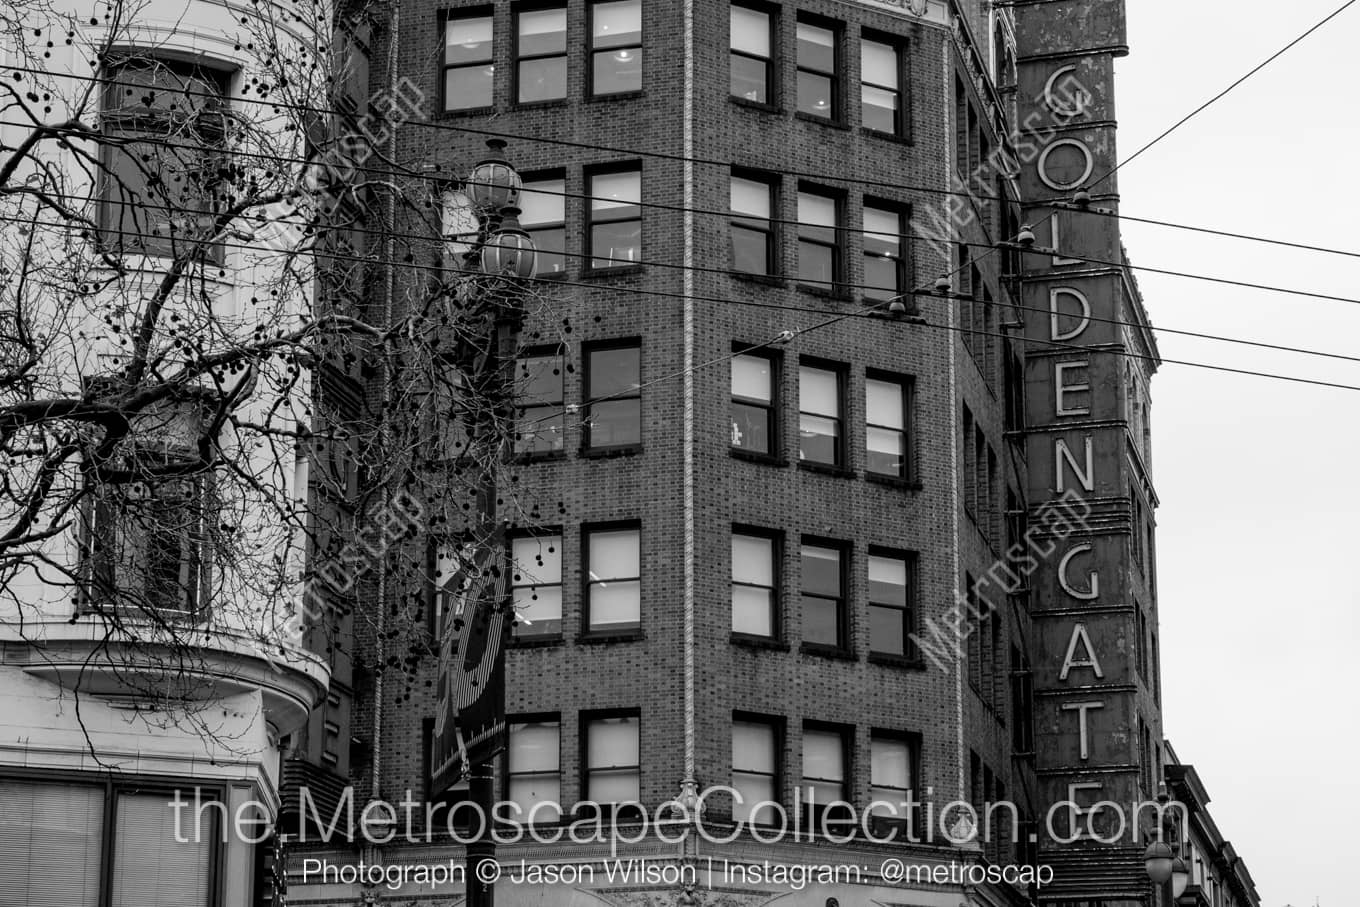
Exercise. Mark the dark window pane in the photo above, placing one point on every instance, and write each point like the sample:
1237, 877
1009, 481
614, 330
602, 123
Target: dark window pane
468, 87
820, 621
613, 244
880, 109
539, 380
550, 245
816, 264
467, 40
816, 48
886, 631
749, 79
885, 454
540, 429
750, 427
542, 31
615, 422
822, 571
750, 250
614, 372
617, 71
542, 80
815, 95
880, 277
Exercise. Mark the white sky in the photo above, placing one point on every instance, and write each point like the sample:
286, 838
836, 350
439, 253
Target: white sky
1259, 479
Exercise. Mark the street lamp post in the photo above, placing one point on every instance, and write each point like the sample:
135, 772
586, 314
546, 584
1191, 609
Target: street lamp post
1164, 864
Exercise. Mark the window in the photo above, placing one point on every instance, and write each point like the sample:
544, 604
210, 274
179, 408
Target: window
541, 54
161, 171
752, 227
615, 47
543, 216
824, 618
890, 777
613, 579
881, 88
890, 604
755, 769
818, 65
819, 416
615, 227
755, 594
823, 774
751, 58
56, 835
753, 409
613, 765
886, 404
533, 768
819, 252
469, 61
885, 254
539, 396
613, 397
536, 585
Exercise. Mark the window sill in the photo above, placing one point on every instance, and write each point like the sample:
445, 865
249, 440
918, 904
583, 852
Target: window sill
756, 105
821, 121
608, 638
824, 651
612, 271
751, 456
758, 642
466, 112
615, 96
543, 456
767, 280
893, 481
606, 453
887, 136
540, 105
896, 661
826, 469
837, 293
536, 642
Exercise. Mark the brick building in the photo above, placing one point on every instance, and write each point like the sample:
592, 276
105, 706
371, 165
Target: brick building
759, 513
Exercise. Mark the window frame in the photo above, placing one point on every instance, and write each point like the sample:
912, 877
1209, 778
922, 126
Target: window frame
903, 270
614, 631
452, 15
836, 76
776, 539
586, 718
588, 350
588, 257
846, 733
592, 51
842, 449
772, 67
836, 286
550, 351
913, 742
538, 532
844, 645
902, 119
779, 732
907, 386
544, 176
771, 230
910, 611
506, 774
773, 410
517, 57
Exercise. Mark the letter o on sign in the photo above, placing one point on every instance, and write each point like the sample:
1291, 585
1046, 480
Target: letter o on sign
1070, 169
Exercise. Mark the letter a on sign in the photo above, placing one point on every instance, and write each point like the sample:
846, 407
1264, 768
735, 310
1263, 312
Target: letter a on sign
1088, 660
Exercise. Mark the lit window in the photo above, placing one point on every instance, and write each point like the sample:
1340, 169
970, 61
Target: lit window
754, 593
543, 216
889, 777
890, 618
824, 595
615, 218
752, 227
616, 47
613, 765
613, 397
819, 254
541, 54
884, 254
823, 774
817, 71
885, 417
536, 585
534, 770
819, 416
753, 409
881, 75
538, 397
755, 761
469, 62
750, 58
613, 579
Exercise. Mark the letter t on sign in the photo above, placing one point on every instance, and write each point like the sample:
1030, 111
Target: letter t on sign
1081, 708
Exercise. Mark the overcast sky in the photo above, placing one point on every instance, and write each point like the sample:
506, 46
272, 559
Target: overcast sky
1258, 540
